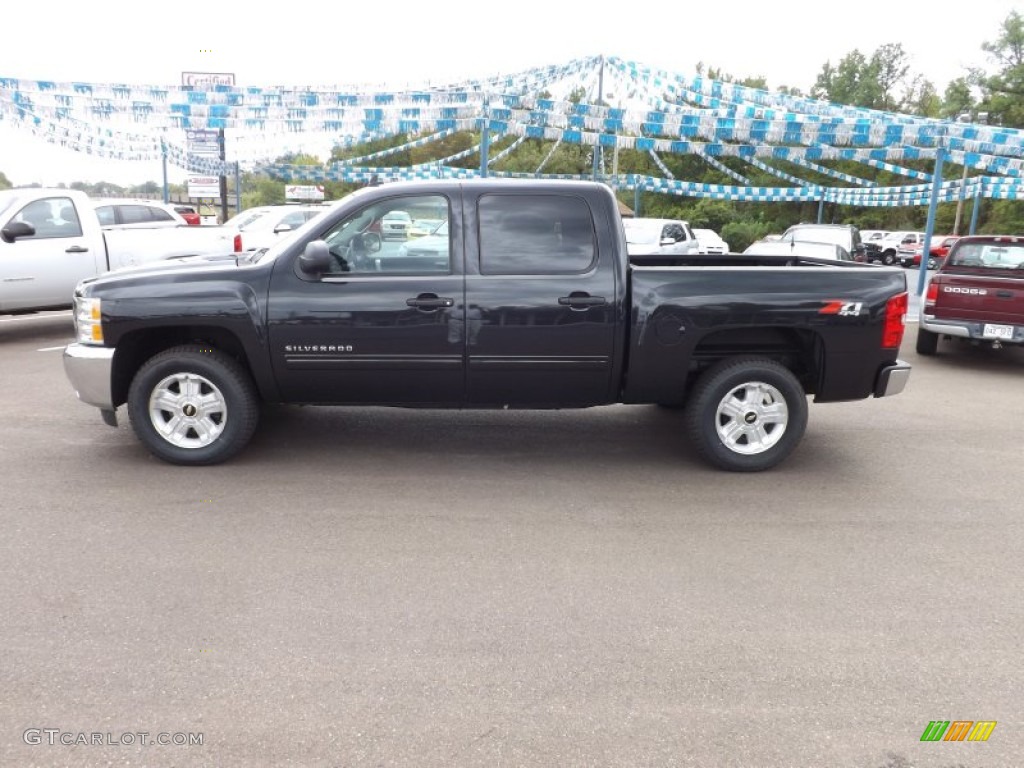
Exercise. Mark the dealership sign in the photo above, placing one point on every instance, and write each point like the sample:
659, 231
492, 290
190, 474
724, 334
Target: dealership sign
203, 186
299, 192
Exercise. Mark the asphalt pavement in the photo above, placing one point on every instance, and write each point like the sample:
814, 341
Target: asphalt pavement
375, 587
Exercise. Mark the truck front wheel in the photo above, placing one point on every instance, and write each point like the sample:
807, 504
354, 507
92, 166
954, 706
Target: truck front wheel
746, 414
193, 405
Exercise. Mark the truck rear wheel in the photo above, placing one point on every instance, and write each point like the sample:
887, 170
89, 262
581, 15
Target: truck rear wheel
927, 342
746, 414
193, 405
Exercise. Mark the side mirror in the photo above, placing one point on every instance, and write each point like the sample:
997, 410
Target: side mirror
668, 241
315, 259
372, 242
17, 229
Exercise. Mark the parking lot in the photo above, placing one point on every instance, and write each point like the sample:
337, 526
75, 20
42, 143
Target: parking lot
387, 587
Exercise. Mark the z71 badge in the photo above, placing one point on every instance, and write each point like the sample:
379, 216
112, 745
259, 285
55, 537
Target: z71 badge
842, 308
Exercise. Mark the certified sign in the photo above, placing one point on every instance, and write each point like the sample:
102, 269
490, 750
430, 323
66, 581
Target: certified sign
207, 79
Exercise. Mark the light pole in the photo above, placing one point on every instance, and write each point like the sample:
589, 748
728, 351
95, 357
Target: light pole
964, 117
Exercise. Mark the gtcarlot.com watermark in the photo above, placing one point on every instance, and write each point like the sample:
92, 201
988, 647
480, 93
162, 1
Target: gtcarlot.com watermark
58, 737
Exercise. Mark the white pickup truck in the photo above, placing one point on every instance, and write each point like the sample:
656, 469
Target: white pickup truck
50, 239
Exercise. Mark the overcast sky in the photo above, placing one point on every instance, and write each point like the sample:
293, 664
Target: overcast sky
401, 44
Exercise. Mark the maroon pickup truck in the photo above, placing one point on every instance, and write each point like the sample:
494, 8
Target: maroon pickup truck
977, 294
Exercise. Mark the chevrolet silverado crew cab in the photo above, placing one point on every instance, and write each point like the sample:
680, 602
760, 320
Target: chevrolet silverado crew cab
977, 295
529, 302
52, 238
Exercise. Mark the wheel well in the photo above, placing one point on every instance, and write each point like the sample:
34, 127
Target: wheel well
800, 351
134, 349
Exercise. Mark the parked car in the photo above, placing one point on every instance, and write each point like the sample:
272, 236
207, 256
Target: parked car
536, 306
424, 227
902, 245
137, 214
977, 294
872, 240
395, 225
709, 241
845, 236
50, 239
659, 237
435, 245
910, 255
188, 213
799, 248
274, 222
939, 249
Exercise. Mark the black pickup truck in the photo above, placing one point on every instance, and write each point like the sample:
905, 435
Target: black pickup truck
523, 297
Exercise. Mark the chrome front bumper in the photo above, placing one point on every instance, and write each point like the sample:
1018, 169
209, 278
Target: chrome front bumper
89, 369
892, 379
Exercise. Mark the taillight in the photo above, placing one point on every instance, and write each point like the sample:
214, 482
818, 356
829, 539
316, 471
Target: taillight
931, 295
895, 321
238, 243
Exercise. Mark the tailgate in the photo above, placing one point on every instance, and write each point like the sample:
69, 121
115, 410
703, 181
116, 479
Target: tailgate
992, 298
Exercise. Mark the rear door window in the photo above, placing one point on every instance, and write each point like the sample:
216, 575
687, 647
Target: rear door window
535, 235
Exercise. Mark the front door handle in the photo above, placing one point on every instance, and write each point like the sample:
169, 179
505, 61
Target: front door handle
76, 249
429, 302
581, 300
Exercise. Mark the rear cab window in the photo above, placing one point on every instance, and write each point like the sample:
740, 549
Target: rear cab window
998, 255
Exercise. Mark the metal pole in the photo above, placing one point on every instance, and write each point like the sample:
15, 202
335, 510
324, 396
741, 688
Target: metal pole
600, 98
976, 208
238, 189
163, 162
960, 202
933, 204
223, 180
636, 200
821, 209
485, 140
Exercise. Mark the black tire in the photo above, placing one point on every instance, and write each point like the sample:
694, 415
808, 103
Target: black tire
220, 393
736, 378
927, 342
888, 258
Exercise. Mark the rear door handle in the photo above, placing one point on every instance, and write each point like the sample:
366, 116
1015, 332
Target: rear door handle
429, 301
581, 300
76, 249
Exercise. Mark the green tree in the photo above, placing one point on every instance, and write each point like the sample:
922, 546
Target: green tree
1004, 91
4, 181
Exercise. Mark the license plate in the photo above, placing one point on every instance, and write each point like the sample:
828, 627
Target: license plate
997, 331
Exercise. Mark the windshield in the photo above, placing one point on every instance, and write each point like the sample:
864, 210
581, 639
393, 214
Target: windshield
989, 255
7, 200
245, 218
642, 235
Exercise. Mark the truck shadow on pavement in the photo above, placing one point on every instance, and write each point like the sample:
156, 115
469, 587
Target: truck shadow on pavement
613, 438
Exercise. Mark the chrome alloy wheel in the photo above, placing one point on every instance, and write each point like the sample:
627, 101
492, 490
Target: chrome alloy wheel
751, 418
187, 410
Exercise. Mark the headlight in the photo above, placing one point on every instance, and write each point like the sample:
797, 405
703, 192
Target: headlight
88, 322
